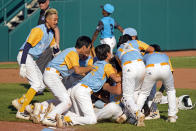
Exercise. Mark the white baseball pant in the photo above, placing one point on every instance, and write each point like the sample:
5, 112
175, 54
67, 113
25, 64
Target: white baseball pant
132, 78
53, 80
153, 74
110, 111
109, 41
82, 96
33, 73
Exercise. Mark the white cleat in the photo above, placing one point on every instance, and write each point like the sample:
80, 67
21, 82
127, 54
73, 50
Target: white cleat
22, 115
49, 122
121, 119
16, 104
36, 119
59, 121
29, 109
140, 118
37, 109
153, 115
172, 119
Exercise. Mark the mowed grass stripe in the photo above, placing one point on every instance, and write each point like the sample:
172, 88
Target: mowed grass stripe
177, 62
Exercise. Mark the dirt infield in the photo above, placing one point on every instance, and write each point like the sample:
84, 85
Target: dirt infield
26, 126
184, 78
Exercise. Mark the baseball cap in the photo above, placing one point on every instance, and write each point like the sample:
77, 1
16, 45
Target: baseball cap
130, 31
41, 1
108, 8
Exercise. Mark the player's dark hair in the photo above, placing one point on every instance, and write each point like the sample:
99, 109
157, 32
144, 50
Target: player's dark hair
123, 39
101, 51
83, 41
156, 47
136, 38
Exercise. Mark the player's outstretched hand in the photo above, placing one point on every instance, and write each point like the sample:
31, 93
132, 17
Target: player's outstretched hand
23, 70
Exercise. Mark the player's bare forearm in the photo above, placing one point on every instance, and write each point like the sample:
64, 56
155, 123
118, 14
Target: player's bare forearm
150, 49
120, 29
57, 35
113, 89
96, 33
82, 70
115, 77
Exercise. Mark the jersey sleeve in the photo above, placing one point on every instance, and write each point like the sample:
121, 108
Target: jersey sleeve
72, 59
99, 26
108, 69
90, 62
52, 42
142, 45
35, 36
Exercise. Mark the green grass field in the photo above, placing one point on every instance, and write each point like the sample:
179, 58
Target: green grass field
177, 62
186, 121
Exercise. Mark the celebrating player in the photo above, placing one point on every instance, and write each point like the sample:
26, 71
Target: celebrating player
158, 68
133, 70
106, 26
61, 66
38, 40
92, 82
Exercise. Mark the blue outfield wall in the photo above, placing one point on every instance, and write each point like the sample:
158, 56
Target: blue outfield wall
169, 23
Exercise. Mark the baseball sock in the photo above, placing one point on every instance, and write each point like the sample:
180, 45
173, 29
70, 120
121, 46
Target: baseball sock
28, 97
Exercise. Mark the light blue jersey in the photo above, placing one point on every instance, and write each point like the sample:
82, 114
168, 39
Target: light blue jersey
97, 77
108, 27
127, 53
39, 44
155, 58
65, 61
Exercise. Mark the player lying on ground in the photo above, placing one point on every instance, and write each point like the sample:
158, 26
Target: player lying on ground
37, 41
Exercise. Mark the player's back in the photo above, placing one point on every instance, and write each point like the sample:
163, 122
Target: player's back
108, 29
155, 58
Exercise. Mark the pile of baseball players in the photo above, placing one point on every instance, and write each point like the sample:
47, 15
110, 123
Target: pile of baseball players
92, 84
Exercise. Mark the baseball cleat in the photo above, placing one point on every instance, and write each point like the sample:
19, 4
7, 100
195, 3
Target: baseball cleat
29, 108
36, 119
140, 118
37, 109
49, 122
49, 109
121, 119
59, 121
172, 119
16, 104
22, 115
153, 115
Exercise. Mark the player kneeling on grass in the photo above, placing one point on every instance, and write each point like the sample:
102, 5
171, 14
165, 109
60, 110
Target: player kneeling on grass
38, 40
92, 82
158, 68
60, 67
